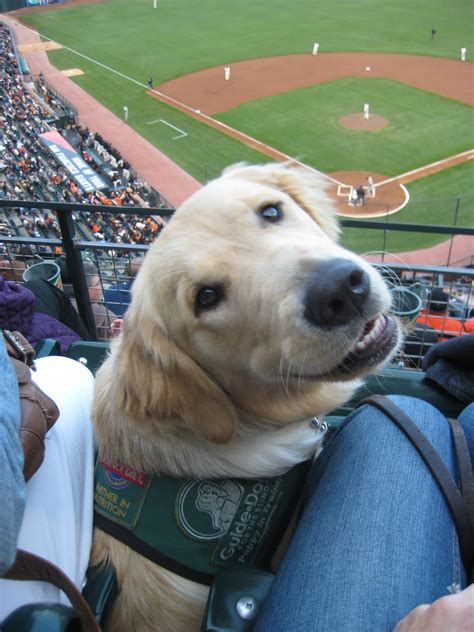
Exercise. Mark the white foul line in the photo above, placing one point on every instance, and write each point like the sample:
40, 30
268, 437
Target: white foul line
76, 52
469, 155
98, 63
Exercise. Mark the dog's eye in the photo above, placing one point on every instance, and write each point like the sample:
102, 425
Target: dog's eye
271, 213
208, 297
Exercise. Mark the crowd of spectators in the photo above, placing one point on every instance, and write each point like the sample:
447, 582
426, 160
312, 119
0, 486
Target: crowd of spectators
29, 172
51, 98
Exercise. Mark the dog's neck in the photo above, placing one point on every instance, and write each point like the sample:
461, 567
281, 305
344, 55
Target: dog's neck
257, 450
176, 419
272, 404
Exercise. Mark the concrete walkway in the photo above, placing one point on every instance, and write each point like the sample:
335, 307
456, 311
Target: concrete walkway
456, 252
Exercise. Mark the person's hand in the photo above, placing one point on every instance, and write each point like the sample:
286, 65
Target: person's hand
116, 327
453, 613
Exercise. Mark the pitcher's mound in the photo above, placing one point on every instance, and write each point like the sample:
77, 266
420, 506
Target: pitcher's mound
360, 124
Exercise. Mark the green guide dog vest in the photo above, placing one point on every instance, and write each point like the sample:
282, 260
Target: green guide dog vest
196, 527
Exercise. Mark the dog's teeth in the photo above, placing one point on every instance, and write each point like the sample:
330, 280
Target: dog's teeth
371, 335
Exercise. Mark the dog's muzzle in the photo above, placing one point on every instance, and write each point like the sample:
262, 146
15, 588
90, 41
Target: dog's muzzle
339, 294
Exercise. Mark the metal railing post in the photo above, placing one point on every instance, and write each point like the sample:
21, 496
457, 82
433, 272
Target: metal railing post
76, 270
451, 243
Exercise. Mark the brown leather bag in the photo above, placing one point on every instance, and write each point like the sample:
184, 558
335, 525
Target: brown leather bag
38, 411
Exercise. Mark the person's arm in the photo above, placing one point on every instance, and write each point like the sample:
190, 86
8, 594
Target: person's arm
12, 483
469, 326
452, 613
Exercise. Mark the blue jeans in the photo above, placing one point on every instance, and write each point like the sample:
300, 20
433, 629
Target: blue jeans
376, 537
12, 483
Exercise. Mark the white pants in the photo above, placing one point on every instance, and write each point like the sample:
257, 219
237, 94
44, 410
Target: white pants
57, 523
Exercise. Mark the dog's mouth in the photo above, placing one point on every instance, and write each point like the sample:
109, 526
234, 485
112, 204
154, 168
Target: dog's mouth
378, 339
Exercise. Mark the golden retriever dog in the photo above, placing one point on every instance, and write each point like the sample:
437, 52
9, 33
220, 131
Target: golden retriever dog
247, 318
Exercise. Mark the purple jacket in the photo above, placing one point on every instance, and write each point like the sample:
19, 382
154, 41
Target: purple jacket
17, 313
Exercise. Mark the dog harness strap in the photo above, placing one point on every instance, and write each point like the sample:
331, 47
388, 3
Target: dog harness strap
459, 502
466, 478
130, 539
194, 528
30, 567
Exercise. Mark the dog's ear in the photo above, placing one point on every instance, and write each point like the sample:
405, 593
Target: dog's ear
161, 384
305, 186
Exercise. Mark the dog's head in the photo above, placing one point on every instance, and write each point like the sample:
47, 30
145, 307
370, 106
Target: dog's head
246, 301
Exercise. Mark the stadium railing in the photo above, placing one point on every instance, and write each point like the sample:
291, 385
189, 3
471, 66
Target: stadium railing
111, 260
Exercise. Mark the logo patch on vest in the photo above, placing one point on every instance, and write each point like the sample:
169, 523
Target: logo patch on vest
236, 514
206, 508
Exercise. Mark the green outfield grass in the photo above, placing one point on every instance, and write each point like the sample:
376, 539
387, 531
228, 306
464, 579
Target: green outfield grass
179, 37
422, 127
182, 36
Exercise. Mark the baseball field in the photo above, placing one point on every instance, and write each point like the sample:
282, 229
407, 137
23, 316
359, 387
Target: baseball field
292, 102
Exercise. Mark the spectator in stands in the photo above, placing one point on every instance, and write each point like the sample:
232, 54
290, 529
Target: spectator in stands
53, 302
437, 317
12, 269
376, 535
451, 365
103, 316
18, 312
117, 296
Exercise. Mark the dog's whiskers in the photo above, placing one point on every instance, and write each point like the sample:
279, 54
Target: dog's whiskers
288, 374
281, 378
301, 372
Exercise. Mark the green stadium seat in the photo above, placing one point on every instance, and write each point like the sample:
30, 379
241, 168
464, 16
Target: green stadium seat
47, 347
42, 617
89, 353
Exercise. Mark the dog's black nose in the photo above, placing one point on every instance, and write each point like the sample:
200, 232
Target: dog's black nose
336, 293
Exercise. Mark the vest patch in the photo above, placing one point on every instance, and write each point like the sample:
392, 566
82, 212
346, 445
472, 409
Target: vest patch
120, 492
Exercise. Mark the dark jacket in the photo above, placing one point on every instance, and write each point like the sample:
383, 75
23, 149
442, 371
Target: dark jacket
451, 365
17, 313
